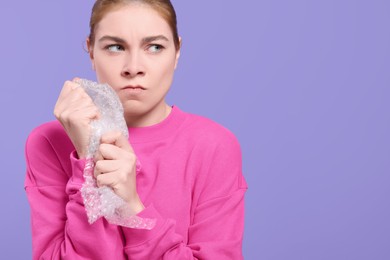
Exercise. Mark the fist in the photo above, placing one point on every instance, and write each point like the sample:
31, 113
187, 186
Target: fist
75, 110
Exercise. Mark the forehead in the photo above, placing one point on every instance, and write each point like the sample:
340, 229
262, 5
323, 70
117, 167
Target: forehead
133, 20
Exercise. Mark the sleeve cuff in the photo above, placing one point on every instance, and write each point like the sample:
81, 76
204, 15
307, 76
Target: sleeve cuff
77, 168
138, 236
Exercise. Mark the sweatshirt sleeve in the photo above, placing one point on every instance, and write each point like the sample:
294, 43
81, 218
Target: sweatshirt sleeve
60, 229
217, 218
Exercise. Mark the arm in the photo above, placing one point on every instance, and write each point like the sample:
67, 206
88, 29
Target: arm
59, 224
217, 217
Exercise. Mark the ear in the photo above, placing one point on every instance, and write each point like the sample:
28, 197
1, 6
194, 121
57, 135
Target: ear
178, 53
90, 51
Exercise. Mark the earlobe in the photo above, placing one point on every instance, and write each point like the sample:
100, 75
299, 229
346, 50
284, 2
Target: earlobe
178, 53
93, 64
180, 42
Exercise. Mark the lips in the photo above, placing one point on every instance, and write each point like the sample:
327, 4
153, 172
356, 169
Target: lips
135, 87
133, 91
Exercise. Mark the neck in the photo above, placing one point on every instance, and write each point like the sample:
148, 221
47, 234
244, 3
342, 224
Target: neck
149, 118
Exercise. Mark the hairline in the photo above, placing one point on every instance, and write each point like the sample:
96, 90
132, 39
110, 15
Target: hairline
140, 3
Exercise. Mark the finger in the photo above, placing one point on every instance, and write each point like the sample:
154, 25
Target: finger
105, 166
77, 100
69, 86
76, 80
118, 139
106, 138
108, 179
73, 89
113, 152
72, 113
114, 180
66, 89
98, 156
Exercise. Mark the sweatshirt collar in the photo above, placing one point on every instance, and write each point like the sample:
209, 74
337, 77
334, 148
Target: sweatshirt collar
159, 131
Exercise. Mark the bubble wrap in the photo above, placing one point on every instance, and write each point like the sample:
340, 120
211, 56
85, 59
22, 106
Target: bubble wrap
102, 201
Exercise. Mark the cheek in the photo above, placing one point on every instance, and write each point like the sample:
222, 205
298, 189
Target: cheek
164, 73
105, 68
103, 73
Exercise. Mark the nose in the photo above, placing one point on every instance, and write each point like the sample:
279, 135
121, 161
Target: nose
132, 66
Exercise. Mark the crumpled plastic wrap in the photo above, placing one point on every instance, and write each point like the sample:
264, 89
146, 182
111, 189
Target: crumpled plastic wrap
102, 201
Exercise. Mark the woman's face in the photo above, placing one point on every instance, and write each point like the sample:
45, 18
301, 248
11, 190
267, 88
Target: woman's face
134, 53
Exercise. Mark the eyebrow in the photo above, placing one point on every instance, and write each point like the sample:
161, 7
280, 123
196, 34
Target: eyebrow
112, 38
154, 38
145, 40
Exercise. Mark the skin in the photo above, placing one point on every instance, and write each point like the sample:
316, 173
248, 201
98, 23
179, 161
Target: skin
134, 53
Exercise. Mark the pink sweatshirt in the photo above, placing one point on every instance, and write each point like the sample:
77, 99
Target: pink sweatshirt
191, 182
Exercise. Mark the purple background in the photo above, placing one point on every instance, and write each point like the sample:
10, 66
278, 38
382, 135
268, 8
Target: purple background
304, 85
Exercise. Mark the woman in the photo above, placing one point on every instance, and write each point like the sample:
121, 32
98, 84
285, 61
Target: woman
190, 181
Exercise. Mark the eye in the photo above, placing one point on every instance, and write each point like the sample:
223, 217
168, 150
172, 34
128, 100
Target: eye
155, 48
114, 48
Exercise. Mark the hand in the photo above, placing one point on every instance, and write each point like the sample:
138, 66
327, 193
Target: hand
75, 110
115, 167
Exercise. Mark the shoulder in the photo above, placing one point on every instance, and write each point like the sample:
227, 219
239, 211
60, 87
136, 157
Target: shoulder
210, 132
47, 152
218, 154
51, 132
46, 138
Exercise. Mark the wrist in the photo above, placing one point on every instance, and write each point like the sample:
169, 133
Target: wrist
136, 205
81, 154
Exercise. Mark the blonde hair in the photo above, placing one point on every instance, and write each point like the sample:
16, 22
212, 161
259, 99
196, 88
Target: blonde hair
163, 7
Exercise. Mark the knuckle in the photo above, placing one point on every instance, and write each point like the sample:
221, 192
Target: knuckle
98, 180
56, 113
123, 177
67, 83
98, 166
131, 157
64, 115
117, 134
102, 147
61, 115
77, 92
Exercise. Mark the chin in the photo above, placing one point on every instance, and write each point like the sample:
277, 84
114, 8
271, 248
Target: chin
134, 108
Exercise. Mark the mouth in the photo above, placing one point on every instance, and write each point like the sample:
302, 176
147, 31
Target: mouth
133, 91
138, 87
